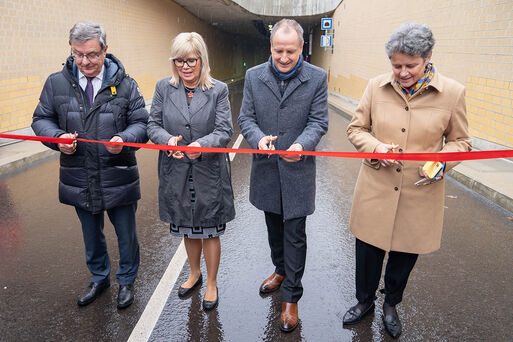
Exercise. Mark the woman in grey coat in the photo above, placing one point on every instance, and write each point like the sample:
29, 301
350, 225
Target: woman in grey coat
195, 192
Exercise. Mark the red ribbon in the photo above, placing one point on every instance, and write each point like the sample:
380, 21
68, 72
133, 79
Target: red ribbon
442, 156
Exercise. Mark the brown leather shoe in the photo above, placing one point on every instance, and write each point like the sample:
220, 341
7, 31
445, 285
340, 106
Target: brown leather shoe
272, 283
288, 318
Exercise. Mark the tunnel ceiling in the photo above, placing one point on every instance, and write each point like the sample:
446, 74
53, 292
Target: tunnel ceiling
231, 17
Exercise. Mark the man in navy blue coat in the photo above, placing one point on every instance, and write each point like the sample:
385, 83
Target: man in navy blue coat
92, 97
285, 107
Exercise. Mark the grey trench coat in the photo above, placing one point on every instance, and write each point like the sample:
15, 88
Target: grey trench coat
299, 116
208, 121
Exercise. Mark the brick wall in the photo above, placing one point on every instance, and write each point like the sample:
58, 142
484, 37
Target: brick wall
474, 45
34, 40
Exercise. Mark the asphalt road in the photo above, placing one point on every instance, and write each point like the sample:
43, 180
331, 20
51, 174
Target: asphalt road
463, 292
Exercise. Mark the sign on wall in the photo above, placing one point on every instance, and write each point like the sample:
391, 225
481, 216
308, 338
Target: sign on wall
326, 40
327, 37
326, 23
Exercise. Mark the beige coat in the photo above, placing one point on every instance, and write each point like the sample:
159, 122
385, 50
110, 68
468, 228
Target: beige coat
389, 211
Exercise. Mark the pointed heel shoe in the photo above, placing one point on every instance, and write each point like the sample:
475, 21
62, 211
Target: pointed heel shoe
185, 291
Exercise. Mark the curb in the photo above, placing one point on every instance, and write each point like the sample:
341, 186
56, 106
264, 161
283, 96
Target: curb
24, 162
483, 190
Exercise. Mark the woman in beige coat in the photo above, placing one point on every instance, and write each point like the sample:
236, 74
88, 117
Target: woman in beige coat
412, 109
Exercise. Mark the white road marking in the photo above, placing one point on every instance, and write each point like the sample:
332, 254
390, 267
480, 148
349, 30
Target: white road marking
236, 145
144, 327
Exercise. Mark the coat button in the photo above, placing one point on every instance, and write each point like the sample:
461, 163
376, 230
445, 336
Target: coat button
396, 188
281, 133
398, 170
400, 150
282, 106
403, 130
188, 126
406, 108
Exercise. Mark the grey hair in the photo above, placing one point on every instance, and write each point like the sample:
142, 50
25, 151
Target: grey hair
411, 39
288, 24
86, 30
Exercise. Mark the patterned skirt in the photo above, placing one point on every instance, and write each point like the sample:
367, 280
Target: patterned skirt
196, 232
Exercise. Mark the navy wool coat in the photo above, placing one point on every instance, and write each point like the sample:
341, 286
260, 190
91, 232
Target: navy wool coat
92, 178
299, 116
208, 121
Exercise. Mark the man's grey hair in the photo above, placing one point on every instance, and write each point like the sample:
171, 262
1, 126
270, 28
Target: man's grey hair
411, 39
290, 24
86, 30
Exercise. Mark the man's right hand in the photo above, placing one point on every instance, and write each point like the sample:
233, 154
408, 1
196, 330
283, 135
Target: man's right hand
265, 142
67, 148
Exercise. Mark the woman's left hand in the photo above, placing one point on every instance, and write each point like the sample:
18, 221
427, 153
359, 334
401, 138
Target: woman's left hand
438, 177
194, 155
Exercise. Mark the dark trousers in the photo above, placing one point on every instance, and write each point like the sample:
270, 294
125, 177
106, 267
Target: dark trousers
369, 262
97, 258
287, 239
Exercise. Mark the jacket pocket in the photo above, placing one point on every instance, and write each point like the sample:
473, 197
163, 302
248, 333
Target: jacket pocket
374, 163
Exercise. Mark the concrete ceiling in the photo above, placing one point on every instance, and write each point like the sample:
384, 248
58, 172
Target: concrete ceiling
231, 17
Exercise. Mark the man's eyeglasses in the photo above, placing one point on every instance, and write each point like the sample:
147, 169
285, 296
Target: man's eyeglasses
92, 56
191, 62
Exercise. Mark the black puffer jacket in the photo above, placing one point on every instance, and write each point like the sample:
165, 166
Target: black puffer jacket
92, 178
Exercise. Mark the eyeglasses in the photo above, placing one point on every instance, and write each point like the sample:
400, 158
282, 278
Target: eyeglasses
191, 62
91, 57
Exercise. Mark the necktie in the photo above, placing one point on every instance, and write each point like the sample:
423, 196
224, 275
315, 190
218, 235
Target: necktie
89, 90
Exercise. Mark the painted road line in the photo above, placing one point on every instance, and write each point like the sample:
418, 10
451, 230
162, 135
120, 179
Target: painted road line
144, 327
151, 314
236, 145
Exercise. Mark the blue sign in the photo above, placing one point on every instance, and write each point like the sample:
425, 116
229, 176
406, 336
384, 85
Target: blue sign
326, 40
326, 23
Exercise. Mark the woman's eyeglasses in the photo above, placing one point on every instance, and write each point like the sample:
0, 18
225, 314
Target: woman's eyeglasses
191, 62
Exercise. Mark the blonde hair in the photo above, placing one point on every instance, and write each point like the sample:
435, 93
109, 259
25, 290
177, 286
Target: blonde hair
184, 44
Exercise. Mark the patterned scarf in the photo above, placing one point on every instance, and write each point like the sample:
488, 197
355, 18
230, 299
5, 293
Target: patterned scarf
423, 82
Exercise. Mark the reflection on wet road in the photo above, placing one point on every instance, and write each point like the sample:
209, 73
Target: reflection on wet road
461, 292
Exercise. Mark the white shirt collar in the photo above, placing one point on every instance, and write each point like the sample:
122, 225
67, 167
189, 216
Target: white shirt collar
99, 76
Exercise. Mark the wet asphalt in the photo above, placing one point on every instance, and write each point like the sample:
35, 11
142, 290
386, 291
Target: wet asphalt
463, 292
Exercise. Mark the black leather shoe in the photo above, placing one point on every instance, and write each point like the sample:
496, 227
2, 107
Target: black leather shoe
211, 304
357, 312
185, 291
391, 320
93, 291
125, 296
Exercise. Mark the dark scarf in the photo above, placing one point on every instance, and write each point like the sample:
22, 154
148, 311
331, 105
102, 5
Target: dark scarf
286, 76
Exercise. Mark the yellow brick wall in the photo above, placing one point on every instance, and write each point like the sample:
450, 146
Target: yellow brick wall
474, 45
34, 40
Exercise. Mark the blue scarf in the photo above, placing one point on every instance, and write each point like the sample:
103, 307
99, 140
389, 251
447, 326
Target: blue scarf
285, 76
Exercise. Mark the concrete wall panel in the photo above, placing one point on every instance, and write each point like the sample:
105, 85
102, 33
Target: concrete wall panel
287, 8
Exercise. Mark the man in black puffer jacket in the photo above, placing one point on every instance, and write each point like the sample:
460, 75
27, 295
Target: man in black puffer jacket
94, 98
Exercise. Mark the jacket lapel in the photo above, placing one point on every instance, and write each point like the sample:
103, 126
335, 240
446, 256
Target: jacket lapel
178, 99
198, 101
270, 81
293, 84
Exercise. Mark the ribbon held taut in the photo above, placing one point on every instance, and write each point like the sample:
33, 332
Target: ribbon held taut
440, 156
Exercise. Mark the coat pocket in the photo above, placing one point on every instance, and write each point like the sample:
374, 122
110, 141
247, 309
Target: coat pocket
374, 163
